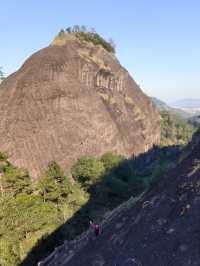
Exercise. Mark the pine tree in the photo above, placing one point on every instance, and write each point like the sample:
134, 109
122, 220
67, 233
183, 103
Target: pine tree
15, 181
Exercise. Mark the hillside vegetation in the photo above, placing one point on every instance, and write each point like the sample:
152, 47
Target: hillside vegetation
30, 212
176, 127
175, 130
87, 35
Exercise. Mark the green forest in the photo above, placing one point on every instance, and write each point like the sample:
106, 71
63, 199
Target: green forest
175, 130
31, 212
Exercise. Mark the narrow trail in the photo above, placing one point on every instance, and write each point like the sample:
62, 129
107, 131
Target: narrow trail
87, 239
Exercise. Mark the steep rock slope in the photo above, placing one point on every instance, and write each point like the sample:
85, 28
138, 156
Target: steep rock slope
71, 99
159, 228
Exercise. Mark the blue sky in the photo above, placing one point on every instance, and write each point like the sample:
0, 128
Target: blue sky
157, 41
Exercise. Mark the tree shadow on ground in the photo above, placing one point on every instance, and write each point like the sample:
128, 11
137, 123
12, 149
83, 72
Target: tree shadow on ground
130, 178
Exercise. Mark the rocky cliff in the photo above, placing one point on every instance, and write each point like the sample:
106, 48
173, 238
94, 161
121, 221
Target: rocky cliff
161, 227
71, 99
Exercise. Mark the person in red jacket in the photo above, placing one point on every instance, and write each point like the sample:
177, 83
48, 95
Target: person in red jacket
96, 228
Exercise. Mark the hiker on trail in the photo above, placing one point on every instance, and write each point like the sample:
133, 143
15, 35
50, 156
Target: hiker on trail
96, 228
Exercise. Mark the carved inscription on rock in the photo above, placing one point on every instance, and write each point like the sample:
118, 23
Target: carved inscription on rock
87, 75
108, 80
102, 79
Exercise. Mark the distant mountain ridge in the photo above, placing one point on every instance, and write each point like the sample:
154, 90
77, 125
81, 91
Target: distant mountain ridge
162, 106
186, 103
190, 106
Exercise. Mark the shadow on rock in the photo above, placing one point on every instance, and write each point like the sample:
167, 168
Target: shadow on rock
130, 178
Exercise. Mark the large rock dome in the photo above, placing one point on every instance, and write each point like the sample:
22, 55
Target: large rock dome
72, 99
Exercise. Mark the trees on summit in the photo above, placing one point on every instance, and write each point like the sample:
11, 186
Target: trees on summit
83, 34
1, 73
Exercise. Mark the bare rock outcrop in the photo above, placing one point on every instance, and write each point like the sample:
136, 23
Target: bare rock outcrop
72, 99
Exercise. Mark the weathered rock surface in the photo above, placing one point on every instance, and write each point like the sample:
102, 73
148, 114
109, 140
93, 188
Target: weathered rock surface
71, 99
159, 228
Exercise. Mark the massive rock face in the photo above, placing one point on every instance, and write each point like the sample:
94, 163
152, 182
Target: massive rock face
161, 227
72, 99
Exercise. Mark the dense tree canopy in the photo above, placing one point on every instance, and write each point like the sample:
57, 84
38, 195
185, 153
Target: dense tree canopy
175, 130
87, 170
30, 212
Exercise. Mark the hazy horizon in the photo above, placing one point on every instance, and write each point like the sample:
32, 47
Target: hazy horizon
176, 100
158, 43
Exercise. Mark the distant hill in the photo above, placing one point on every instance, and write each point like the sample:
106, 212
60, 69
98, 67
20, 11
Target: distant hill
191, 106
186, 103
162, 106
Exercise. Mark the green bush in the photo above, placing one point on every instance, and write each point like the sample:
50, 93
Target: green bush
88, 170
96, 39
15, 181
53, 185
3, 157
48, 188
111, 161
61, 34
54, 170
